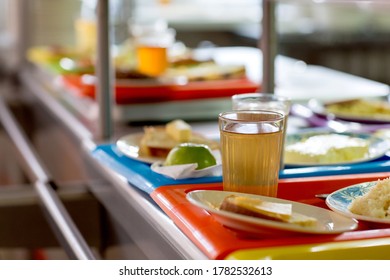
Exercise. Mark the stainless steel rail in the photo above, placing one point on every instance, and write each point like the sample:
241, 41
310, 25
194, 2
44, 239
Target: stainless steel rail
104, 71
268, 45
62, 224
22, 35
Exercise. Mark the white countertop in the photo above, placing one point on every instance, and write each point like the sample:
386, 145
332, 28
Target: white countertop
300, 81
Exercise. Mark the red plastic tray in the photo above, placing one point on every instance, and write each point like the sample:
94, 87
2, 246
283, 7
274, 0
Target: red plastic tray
217, 241
138, 92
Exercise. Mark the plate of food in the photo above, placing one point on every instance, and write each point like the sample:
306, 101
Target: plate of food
155, 142
267, 215
313, 148
369, 111
130, 145
368, 201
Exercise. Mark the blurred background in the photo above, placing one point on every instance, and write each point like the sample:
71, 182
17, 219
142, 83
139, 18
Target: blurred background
351, 36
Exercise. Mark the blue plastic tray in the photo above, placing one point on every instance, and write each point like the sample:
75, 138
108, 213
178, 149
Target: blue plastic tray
138, 173
141, 176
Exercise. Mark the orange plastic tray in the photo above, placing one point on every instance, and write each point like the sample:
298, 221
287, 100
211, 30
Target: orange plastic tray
217, 241
128, 93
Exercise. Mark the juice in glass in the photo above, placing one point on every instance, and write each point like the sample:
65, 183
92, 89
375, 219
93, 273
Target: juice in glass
152, 49
251, 146
152, 60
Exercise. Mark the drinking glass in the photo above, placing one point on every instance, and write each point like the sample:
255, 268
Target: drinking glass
86, 35
152, 41
261, 101
251, 149
264, 101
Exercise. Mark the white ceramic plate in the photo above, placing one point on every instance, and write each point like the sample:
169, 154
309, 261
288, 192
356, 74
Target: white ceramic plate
378, 147
340, 200
329, 222
319, 108
129, 145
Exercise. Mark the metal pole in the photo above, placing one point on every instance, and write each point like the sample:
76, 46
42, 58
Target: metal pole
268, 45
104, 71
21, 22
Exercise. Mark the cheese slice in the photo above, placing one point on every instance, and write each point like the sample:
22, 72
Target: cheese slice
257, 208
179, 130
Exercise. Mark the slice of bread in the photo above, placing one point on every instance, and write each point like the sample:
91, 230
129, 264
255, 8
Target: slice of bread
281, 212
156, 142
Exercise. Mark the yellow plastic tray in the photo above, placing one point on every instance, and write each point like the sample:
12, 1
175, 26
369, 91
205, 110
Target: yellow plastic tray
373, 249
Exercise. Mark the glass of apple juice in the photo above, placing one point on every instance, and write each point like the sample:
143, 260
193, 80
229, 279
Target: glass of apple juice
251, 148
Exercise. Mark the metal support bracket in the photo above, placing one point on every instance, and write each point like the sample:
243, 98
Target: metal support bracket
61, 222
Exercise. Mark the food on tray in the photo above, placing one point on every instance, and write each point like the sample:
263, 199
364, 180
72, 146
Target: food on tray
159, 140
183, 64
179, 130
187, 61
186, 153
360, 108
375, 203
281, 212
204, 71
62, 60
80, 65
122, 73
327, 148
50, 54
